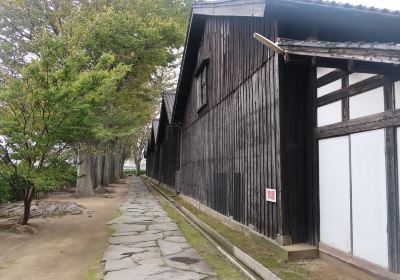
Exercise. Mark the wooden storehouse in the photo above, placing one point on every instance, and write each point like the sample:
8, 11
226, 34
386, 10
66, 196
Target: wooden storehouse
167, 141
152, 152
299, 144
162, 152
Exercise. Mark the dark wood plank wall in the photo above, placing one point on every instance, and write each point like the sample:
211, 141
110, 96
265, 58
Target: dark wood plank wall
149, 164
231, 150
150, 156
170, 154
295, 130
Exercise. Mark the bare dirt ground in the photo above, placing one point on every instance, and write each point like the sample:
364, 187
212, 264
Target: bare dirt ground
63, 248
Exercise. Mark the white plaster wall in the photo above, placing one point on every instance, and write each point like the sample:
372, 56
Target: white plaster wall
322, 71
397, 94
367, 103
331, 87
358, 77
329, 114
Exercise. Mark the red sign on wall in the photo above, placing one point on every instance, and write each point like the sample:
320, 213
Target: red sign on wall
270, 195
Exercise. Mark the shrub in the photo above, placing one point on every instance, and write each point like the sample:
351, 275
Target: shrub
7, 190
130, 172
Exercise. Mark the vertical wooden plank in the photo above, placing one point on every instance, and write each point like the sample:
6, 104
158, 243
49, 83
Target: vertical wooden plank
345, 101
277, 135
392, 184
312, 154
269, 144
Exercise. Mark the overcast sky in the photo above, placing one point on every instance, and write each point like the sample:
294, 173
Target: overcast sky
389, 4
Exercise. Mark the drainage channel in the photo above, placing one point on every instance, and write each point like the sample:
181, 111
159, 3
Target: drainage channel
250, 267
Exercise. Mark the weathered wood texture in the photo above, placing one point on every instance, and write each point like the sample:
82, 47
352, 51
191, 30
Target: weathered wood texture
162, 155
294, 134
169, 154
231, 149
152, 152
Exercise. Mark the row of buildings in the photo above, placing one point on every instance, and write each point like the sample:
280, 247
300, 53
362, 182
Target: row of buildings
300, 145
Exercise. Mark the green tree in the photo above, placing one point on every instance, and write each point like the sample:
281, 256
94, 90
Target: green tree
144, 34
83, 76
48, 109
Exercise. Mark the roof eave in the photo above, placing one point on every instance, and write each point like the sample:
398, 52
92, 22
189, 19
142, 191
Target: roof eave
237, 8
381, 53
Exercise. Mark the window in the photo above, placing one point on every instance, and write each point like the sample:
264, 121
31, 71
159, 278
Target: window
201, 84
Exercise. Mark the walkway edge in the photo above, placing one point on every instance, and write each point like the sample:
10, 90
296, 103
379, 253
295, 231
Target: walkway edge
254, 266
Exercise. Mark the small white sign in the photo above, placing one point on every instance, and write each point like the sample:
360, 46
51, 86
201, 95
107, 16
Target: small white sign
270, 195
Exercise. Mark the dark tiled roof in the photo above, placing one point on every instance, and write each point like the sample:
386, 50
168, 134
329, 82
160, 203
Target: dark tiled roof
169, 100
348, 5
381, 18
202, 3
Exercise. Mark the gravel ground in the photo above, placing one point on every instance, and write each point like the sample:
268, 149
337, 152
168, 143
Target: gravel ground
42, 209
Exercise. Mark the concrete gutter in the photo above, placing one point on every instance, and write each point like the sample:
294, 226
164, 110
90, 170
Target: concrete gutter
251, 264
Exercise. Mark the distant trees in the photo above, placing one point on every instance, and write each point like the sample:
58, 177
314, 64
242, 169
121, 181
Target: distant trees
79, 76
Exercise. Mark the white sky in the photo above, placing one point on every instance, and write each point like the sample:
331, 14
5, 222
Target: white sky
388, 4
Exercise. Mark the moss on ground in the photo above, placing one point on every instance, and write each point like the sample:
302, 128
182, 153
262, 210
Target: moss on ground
223, 268
110, 230
94, 271
117, 214
257, 247
91, 274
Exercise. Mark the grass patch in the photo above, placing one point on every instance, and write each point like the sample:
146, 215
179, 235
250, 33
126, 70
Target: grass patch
94, 271
91, 274
257, 247
117, 214
224, 269
110, 230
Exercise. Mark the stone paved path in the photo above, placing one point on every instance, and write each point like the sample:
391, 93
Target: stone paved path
147, 244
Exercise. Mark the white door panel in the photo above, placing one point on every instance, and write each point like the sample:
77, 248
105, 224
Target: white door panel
369, 203
334, 182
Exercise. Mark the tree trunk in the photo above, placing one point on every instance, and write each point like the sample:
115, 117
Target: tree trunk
111, 168
121, 169
107, 168
84, 184
137, 163
99, 167
116, 167
27, 205
118, 160
94, 160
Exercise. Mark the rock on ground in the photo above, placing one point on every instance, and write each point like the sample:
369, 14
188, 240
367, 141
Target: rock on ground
41, 208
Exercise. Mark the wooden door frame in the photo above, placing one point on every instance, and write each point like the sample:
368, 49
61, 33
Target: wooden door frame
389, 120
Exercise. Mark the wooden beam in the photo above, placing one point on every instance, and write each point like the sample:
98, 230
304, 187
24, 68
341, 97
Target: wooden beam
370, 55
392, 184
268, 43
363, 86
330, 77
376, 121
